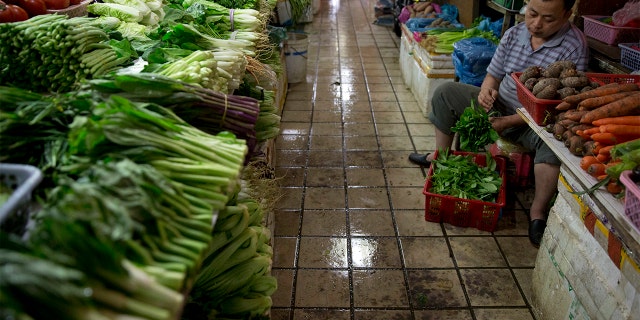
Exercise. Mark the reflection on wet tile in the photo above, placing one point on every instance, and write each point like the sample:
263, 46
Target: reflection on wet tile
324, 223
365, 177
296, 116
325, 177
476, 252
519, 251
503, 314
392, 129
284, 249
367, 285
435, 289
367, 198
331, 114
375, 252
443, 315
291, 142
359, 129
323, 252
326, 129
324, 198
322, 288
291, 157
371, 223
431, 252
384, 117
317, 314
490, 287
382, 314
299, 128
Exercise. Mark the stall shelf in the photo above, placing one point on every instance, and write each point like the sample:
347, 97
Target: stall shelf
587, 266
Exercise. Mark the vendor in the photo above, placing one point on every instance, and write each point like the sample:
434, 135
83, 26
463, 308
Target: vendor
546, 36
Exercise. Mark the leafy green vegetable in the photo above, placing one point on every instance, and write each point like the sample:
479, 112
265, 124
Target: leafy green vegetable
459, 176
122, 12
474, 129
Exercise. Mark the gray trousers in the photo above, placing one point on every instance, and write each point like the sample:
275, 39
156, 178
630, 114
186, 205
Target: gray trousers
451, 98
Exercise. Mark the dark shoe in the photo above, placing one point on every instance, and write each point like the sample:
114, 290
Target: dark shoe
420, 159
536, 231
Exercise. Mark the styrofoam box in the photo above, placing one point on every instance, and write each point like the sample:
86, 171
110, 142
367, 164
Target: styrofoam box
406, 60
424, 84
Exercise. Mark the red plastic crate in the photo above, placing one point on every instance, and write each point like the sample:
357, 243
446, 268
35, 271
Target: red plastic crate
631, 199
543, 110
607, 33
519, 165
464, 212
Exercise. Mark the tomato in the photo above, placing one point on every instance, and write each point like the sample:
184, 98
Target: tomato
33, 7
56, 4
12, 13
74, 2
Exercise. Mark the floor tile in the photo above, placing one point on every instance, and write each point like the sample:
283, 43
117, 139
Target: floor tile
476, 252
367, 286
487, 287
371, 223
324, 198
435, 289
324, 223
375, 252
323, 252
322, 288
443, 315
426, 252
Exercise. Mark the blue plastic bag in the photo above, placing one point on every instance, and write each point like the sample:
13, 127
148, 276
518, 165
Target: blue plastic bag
471, 57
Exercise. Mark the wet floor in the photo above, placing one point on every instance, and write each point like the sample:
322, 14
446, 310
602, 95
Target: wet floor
350, 238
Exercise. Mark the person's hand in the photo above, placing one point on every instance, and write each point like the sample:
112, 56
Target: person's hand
499, 124
487, 97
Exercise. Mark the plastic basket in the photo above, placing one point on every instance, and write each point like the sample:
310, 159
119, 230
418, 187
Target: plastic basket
464, 212
629, 56
609, 34
77, 10
22, 179
631, 199
543, 110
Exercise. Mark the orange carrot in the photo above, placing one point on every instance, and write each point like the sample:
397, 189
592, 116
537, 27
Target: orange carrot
586, 161
627, 106
606, 150
602, 157
614, 187
604, 90
621, 129
628, 120
596, 169
601, 177
591, 131
608, 138
592, 103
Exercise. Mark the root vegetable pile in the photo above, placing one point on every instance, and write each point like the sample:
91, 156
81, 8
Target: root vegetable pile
557, 81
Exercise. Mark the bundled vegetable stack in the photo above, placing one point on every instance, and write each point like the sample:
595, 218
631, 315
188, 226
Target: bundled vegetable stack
53, 52
594, 122
441, 40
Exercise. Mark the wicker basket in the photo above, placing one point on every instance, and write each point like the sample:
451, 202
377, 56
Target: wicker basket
78, 10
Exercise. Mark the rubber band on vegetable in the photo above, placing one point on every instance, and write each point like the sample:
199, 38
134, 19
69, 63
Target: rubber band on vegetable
226, 107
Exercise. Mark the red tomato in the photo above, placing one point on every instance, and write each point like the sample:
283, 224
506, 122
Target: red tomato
12, 13
74, 2
33, 7
56, 4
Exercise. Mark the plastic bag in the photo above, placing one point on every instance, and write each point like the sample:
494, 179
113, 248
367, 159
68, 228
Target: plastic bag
627, 16
471, 57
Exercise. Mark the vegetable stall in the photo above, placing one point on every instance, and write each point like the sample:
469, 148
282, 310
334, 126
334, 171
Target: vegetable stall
589, 252
149, 123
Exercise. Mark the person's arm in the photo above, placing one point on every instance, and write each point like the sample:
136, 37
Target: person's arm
488, 91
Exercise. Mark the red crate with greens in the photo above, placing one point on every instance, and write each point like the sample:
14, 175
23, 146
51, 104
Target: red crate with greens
460, 212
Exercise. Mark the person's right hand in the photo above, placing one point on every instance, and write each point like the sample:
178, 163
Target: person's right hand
487, 97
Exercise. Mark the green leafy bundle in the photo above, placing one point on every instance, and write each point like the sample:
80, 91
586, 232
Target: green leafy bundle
474, 129
459, 176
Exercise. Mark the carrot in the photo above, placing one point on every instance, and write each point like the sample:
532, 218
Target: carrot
627, 106
608, 138
591, 131
602, 177
614, 187
574, 115
596, 169
606, 150
628, 120
604, 90
586, 161
564, 106
602, 157
592, 103
621, 129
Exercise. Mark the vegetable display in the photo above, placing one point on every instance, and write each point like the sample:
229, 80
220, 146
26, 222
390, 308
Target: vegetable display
459, 176
558, 80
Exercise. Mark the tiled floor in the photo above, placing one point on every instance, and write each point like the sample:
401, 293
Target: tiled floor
350, 240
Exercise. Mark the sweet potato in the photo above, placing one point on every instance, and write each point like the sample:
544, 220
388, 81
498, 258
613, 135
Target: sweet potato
543, 83
575, 82
576, 145
530, 72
